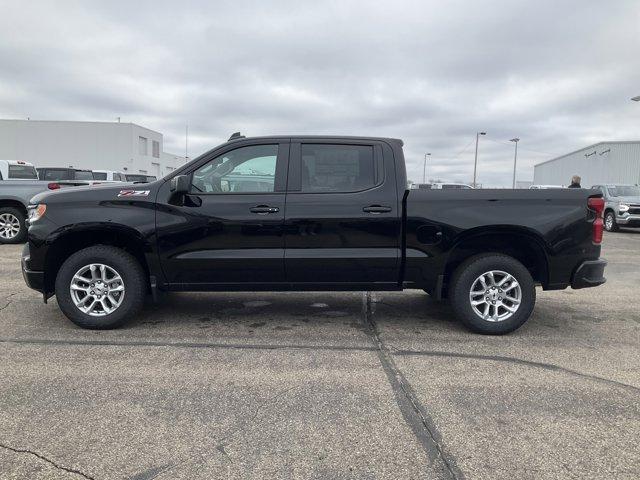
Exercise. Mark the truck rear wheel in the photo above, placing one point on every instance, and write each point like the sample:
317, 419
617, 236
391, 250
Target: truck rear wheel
12, 225
492, 294
100, 287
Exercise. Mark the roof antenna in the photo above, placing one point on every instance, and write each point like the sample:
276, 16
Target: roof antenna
236, 136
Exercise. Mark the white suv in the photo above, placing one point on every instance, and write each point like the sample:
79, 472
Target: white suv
17, 170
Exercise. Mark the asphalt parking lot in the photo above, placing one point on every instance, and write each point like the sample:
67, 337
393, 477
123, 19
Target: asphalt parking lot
323, 385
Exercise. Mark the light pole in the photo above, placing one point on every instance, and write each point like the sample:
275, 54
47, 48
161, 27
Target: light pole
475, 162
515, 160
424, 168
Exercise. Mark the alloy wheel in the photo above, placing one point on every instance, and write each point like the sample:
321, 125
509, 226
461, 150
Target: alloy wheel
495, 296
9, 226
97, 289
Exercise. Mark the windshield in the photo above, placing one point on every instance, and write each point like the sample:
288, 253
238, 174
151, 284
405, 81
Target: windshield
624, 191
24, 172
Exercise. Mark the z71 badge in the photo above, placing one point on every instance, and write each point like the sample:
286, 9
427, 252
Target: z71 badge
134, 193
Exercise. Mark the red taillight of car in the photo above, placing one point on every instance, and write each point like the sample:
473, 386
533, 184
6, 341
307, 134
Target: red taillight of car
53, 186
597, 205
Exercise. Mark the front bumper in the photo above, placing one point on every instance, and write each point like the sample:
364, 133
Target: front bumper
33, 278
589, 274
629, 220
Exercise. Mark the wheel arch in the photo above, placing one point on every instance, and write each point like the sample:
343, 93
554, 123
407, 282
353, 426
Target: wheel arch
525, 246
13, 203
80, 237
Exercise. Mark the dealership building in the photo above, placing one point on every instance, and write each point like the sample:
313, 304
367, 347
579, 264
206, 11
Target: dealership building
125, 147
604, 162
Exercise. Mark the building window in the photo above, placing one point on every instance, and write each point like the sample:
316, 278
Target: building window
155, 148
142, 145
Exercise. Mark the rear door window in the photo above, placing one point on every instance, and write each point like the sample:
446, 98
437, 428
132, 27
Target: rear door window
24, 172
84, 175
338, 168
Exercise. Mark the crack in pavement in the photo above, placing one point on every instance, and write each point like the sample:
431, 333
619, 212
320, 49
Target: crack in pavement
45, 459
414, 413
227, 439
517, 361
9, 302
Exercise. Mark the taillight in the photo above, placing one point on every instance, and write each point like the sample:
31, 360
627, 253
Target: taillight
597, 205
53, 186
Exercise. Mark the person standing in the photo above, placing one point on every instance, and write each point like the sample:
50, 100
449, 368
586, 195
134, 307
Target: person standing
575, 182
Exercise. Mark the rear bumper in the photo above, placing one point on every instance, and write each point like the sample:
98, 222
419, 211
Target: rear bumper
589, 274
33, 278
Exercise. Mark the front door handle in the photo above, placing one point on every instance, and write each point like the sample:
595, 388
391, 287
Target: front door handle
264, 209
376, 209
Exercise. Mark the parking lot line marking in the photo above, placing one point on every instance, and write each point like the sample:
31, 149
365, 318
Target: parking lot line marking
412, 410
149, 343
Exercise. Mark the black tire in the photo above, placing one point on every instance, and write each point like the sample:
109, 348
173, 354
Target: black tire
19, 215
463, 280
610, 219
124, 264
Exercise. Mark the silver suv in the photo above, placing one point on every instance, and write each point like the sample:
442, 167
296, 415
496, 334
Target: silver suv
622, 206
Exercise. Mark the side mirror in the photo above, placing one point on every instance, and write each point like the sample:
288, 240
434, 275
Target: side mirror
180, 184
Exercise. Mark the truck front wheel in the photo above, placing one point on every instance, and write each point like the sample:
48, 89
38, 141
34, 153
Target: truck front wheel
100, 287
492, 294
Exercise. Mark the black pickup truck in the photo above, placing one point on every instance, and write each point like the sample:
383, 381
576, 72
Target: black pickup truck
310, 213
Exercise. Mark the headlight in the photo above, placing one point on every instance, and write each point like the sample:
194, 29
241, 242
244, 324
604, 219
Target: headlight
36, 212
623, 208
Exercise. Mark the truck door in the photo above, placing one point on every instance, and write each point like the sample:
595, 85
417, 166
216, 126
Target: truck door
230, 228
342, 223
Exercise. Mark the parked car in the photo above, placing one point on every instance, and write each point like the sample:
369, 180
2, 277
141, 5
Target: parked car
14, 200
622, 206
109, 176
140, 178
55, 174
546, 187
17, 170
350, 224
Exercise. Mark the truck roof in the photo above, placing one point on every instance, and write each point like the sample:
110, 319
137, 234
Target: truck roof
17, 162
318, 137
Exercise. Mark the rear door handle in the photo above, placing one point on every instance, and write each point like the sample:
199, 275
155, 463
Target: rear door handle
376, 209
264, 209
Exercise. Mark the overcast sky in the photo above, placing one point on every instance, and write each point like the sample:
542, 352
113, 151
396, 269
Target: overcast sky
558, 74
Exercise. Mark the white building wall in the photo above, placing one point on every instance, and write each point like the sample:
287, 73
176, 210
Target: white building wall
605, 162
88, 145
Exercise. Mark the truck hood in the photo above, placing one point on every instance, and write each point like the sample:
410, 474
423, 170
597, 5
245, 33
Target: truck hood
634, 200
98, 193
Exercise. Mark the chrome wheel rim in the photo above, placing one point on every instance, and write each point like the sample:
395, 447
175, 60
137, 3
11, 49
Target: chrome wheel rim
9, 226
608, 222
97, 289
495, 296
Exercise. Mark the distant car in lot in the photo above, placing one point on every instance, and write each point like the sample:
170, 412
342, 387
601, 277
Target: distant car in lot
109, 176
54, 174
622, 206
17, 170
140, 178
546, 187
